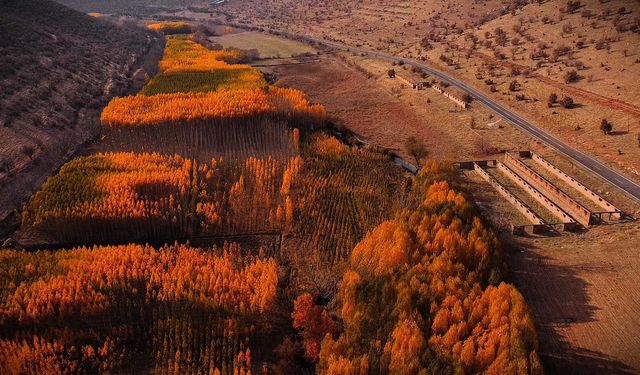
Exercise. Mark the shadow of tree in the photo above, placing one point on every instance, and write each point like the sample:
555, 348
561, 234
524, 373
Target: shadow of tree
618, 132
558, 298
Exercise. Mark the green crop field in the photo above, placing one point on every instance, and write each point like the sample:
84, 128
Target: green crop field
204, 81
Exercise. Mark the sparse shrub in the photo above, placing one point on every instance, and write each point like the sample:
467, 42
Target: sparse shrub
578, 64
561, 51
5, 165
416, 149
572, 6
391, 73
553, 98
571, 76
606, 126
501, 36
514, 86
586, 13
499, 55
567, 102
28, 151
426, 44
621, 27
567, 28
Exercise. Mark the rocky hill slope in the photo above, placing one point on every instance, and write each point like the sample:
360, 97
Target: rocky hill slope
58, 69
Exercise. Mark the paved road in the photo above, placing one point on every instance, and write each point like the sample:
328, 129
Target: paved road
590, 163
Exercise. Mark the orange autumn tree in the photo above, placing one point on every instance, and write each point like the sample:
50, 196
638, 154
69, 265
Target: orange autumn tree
422, 294
172, 27
183, 55
344, 193
129, 196
143, 110
133, 309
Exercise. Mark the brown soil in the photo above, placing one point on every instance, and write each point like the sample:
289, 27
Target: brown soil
369, 103
583, 292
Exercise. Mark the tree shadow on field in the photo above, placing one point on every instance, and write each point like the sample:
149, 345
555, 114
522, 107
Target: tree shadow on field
558, 298
618, 132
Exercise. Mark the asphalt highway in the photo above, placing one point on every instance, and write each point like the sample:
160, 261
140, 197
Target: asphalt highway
590, 163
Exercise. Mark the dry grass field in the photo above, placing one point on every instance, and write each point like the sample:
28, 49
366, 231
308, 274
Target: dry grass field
267, 45
388, 114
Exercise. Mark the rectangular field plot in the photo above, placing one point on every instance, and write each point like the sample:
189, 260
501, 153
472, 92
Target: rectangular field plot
226, 79
143, 309
122, 197
267, 45
547, 196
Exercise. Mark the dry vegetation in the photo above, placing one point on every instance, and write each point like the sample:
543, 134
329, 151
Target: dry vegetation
58, 68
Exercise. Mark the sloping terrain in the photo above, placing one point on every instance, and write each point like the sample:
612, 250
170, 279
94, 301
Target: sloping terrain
123, 6
382, 25
58, 69
583, 52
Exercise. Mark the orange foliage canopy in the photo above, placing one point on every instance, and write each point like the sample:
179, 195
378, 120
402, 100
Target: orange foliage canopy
424, 291
173, 272
148, 110
129, 196
95, 310
181, 54
113, 185
390, 248
171, 26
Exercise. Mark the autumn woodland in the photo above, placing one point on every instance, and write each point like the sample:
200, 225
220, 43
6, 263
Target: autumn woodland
373, 270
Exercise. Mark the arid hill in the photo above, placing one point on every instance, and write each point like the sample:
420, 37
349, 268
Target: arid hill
556, 62
124, 6
58, 69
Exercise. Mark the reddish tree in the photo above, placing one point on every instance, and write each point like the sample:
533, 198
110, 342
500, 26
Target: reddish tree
313, 324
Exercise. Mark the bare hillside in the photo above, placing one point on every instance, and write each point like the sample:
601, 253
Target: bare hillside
383, 25
125, 6
58, 69
568, 66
